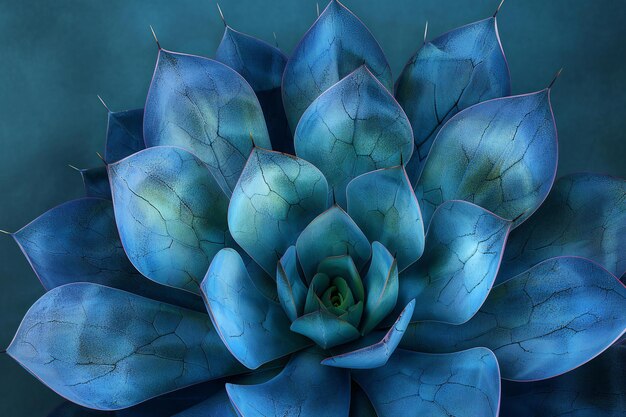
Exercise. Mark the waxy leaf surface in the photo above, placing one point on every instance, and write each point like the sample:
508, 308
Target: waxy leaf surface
96, 182
124, 134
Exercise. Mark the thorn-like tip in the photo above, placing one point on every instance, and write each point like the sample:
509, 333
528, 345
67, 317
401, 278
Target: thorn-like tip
334, 197
104, 104
252, 140
498, 9
155, 37
221, 15
401, 159
4, 232
426, 31
101, 158
275, 39
317, 5
74, 168
558, 73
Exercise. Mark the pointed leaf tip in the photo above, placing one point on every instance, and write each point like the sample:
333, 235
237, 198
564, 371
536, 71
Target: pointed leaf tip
498, 9
556, 76
155, 39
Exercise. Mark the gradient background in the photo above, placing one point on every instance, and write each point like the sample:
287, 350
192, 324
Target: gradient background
57, 55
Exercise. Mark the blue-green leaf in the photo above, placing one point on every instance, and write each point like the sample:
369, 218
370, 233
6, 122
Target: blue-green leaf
262, 66
464, 246
360, 405
377, 354
354, 127
304, 388
500, 154
206, 108
384, 206
448, 74
171, 214
325, 328
597, 388
78, 242
549, 320
381, 283
332, 233
276, 197
124, 134
462, 384
107, 349
336, 44
96, 182
291, 289
584, 215
254, 328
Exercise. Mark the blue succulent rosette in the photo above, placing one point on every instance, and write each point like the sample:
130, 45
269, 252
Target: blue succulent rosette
402, 251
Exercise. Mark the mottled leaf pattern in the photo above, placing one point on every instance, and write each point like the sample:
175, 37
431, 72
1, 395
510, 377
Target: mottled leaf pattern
124, 134
464, 246
276, 197
244, 318
206, 108
332, 233
336, 44
500, 154
354, 127
171, 214
108, 349
303, 388
78, 242
448, 74
542, 323
462, 384
584, 215
384, 206
262, 65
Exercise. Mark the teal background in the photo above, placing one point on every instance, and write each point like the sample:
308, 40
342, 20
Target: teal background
57, 55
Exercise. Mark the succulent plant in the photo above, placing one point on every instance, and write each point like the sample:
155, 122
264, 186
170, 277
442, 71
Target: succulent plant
400, 252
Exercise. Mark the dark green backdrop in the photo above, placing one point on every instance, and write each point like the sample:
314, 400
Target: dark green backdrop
57, 55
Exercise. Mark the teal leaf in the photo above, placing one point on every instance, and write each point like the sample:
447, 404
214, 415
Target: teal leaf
584, 215
354, 127
384, 206
344, 266
96, 182
205, 107
276, 197
377, 354
332, 233
597, 388
124, 134
360, 405
291, 289
304, 388
325, 328
336, 44
171, 214
500, 155
464, 246
381, 283
262, 66
448, 74
243, 317
78, 242
149, 347
462, 384
547, 321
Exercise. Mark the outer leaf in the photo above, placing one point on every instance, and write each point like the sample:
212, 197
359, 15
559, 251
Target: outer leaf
244, 318
332, 233
336, 44
360, 405
459, 384
78, 242
597, 388
452, 72
354, 127
149, 347
500, 154
96, 182
549, 320
584, 215
291, 290
464, 247
304, 388
381, 283
207, 108
325, 329
377, 354
171, 214
384, 206
262, 65
276, 197
124, 134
